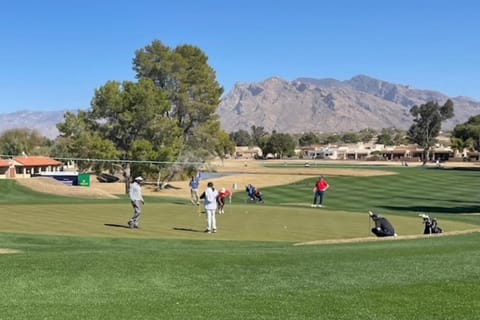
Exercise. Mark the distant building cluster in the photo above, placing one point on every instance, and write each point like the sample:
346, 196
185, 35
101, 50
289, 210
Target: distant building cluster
366, 152
28, 166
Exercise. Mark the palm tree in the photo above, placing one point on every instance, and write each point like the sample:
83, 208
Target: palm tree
461, 145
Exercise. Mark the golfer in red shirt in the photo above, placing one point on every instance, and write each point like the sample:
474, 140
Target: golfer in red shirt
222, 195
320, 187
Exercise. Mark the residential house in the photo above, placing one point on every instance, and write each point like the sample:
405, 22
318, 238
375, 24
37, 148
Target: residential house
4, 165
361, 151
245, 152
398, 153
320, 152
26, 166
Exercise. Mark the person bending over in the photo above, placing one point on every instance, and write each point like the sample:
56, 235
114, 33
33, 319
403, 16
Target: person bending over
222, 196
383, 228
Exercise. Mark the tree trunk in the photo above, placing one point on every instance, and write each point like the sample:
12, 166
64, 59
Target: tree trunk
127, 178
159, 178
426, 154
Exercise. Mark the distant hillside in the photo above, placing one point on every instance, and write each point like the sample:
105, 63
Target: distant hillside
302, 105
329, 105
43, 122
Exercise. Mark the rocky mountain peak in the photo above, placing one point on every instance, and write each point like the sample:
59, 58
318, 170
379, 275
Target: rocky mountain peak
330, 105
302, 105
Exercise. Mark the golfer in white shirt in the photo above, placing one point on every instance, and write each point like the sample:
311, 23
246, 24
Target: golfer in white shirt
135, 194
210, 207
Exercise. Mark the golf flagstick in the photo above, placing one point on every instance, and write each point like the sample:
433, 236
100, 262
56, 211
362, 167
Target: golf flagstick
369, 221
369, 224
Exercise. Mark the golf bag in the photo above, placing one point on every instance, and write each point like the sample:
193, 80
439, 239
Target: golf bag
431, 225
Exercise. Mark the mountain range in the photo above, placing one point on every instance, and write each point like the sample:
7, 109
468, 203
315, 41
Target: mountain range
302, 105
329, 105
45, 122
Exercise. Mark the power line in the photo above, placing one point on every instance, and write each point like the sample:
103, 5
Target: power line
117, 160
130, 161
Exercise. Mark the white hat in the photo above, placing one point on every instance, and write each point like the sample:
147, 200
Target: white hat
373, 215
223, 190
139, 178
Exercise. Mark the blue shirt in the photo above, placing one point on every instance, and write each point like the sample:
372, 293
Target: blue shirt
194, 183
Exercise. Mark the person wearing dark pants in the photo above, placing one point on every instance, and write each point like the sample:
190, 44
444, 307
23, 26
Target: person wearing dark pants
383, 228
319, 190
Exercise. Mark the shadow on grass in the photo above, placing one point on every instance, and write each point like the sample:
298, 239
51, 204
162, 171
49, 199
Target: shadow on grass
421, 198
116, 225
444, 200
456, 210
182, 202
187, 229
464, 168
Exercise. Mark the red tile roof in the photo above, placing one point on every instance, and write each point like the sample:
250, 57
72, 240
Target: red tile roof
36, 161
4, 163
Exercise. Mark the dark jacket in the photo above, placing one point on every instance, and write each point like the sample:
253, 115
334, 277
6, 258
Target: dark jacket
383, 228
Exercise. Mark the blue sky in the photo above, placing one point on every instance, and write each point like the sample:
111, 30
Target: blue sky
54, 54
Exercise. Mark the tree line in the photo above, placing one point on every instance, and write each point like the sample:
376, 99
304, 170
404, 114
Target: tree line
464, 136
167, 121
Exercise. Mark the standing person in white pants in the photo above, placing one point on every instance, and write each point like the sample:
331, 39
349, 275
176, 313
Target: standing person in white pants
210, 199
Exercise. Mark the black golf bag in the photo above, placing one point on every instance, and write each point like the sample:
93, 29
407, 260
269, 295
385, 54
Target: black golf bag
431, 225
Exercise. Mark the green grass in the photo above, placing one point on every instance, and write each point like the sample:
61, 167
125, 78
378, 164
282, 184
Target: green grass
182, 221
95, 278
13, 193
78, 261
411, 191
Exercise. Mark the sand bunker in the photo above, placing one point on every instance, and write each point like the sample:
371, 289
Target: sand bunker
236, 173
8, 251
52, 186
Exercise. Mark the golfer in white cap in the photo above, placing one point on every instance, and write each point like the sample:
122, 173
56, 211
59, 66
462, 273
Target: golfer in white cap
135, 194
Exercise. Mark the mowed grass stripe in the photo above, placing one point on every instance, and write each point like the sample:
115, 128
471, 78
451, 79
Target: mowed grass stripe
410, 191
78, 278
177, 221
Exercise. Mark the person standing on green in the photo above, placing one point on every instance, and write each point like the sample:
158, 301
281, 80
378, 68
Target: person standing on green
319, 190
194, 184
210, 201
135, 194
